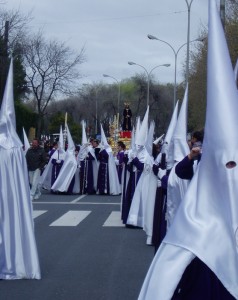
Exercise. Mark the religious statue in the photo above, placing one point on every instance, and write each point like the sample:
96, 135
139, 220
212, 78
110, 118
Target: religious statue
127, 114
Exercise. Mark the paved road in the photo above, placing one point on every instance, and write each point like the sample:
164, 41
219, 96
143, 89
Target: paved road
85, 252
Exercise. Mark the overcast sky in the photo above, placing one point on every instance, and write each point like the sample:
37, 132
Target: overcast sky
115, 32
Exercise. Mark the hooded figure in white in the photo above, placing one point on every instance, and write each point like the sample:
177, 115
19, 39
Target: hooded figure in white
177, 187
167, 148
206, 223
54, 165
64, 180
108, 182
144, 197
88, 165
18, 252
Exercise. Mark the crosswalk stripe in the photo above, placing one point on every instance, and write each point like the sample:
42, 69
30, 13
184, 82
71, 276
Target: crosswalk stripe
71, 218
37, 213
114, 220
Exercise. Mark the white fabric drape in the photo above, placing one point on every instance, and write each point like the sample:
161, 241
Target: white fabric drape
18, 252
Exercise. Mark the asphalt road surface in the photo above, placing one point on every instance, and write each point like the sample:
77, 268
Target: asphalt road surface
85, 252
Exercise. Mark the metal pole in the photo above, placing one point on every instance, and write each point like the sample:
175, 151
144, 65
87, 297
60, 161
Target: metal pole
119, 96
118, 104
151, 37
175, 77
96, 124
188, 40
148, 76
148, 89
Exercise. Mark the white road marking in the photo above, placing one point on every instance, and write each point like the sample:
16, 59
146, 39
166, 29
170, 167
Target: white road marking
114, 220
37, 213
71, 218
78, 203
77, 199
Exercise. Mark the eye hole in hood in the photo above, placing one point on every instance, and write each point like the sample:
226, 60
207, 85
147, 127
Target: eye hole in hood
231, 164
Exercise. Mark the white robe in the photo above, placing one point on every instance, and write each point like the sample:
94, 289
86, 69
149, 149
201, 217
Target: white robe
18, 252
142, 207
176, 190
115, 188
45, 178
66, 173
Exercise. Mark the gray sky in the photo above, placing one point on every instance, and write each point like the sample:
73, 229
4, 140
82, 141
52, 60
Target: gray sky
115, 32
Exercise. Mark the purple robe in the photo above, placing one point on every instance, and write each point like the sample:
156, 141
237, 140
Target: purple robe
159, 220
86, 175
184, 169
51, 152
55, 170
103, 174
131, 185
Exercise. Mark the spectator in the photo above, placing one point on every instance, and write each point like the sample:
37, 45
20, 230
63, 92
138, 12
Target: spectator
36, 160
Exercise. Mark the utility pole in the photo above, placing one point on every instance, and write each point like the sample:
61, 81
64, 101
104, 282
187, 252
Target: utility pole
222, 12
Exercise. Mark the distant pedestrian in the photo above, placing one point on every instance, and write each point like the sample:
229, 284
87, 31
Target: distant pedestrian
36, 160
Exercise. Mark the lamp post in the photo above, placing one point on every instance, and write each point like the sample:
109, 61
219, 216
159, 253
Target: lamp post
148, 76
151, 37
119, 96
188, 39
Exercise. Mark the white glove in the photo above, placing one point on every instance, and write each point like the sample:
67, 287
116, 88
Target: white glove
132, 155
161, 173
158, 183
117, 162
58, 161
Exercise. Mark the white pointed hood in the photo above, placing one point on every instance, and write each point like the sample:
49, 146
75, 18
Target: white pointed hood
215, 206
26, 141
8, 136
104, 141
71, 145
61, 139
155, 142
210, 206
179, 139
236, 72
84, 136
141, 137
167, 147
60, 152
149, 141
132, 144
172, 124
137, 130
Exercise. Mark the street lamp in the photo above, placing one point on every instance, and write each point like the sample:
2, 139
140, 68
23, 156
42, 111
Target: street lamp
152, 37
148, 76
188, 40
119, 96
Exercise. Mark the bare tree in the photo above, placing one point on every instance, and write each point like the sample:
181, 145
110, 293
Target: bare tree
17, 26
51, 70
